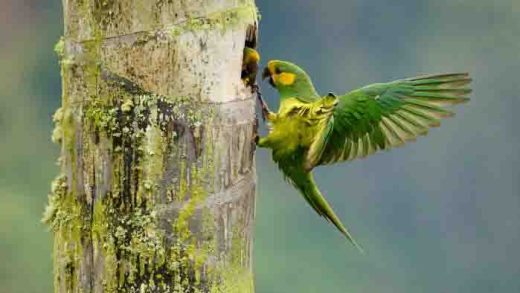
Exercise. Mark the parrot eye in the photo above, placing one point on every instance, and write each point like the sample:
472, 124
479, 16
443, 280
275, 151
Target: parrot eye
277, 70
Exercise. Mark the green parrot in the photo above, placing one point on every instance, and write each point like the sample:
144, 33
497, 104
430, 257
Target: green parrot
250, 67
309, 130
250, 61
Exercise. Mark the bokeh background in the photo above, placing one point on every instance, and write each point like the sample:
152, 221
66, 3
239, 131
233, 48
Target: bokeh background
438, 215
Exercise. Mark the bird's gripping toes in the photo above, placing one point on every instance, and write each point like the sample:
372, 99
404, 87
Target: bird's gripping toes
309, 130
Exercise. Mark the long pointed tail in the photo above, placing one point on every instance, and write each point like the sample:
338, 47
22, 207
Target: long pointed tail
305, 183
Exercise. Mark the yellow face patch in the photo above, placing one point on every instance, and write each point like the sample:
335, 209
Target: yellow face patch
284, 78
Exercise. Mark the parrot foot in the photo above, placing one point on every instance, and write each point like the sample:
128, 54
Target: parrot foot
263, 104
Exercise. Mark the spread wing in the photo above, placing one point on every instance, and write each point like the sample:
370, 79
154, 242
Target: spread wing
385, 115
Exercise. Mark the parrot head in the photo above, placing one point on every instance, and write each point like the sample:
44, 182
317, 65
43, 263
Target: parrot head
290, 80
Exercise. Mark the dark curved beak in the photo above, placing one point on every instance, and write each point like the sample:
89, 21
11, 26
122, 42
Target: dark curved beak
266, 73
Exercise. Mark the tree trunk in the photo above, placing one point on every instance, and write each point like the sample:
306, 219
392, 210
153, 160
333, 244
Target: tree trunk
157, 188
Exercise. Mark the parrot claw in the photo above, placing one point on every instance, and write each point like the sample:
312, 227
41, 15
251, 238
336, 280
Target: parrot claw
265, 109
255, 88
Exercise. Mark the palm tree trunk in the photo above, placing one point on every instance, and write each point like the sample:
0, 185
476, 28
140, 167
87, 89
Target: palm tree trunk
157, 184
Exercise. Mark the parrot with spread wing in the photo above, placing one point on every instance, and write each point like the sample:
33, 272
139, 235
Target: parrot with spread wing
309, 130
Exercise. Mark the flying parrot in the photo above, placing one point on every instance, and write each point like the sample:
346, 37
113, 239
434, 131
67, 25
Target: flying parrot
309, 130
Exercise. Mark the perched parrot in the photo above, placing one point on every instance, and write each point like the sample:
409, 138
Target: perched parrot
250, 61
309, 130
250, 66
250, 58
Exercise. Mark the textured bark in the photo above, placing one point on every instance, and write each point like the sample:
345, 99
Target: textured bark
157, 189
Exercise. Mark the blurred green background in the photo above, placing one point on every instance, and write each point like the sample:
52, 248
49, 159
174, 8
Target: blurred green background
438, 215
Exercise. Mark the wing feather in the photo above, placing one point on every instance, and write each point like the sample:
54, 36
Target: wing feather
385, 115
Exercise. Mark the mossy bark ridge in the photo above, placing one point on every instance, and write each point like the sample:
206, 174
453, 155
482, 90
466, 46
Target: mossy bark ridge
157, 184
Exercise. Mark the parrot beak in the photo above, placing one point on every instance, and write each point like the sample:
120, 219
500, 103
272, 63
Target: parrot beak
267, 73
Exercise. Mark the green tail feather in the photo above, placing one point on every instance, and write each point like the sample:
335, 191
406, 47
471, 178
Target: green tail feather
305, 183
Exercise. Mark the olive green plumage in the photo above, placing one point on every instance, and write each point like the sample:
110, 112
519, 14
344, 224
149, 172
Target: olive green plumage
249, 66
309, 130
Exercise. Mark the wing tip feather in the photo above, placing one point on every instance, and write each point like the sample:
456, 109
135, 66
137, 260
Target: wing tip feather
441, 76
